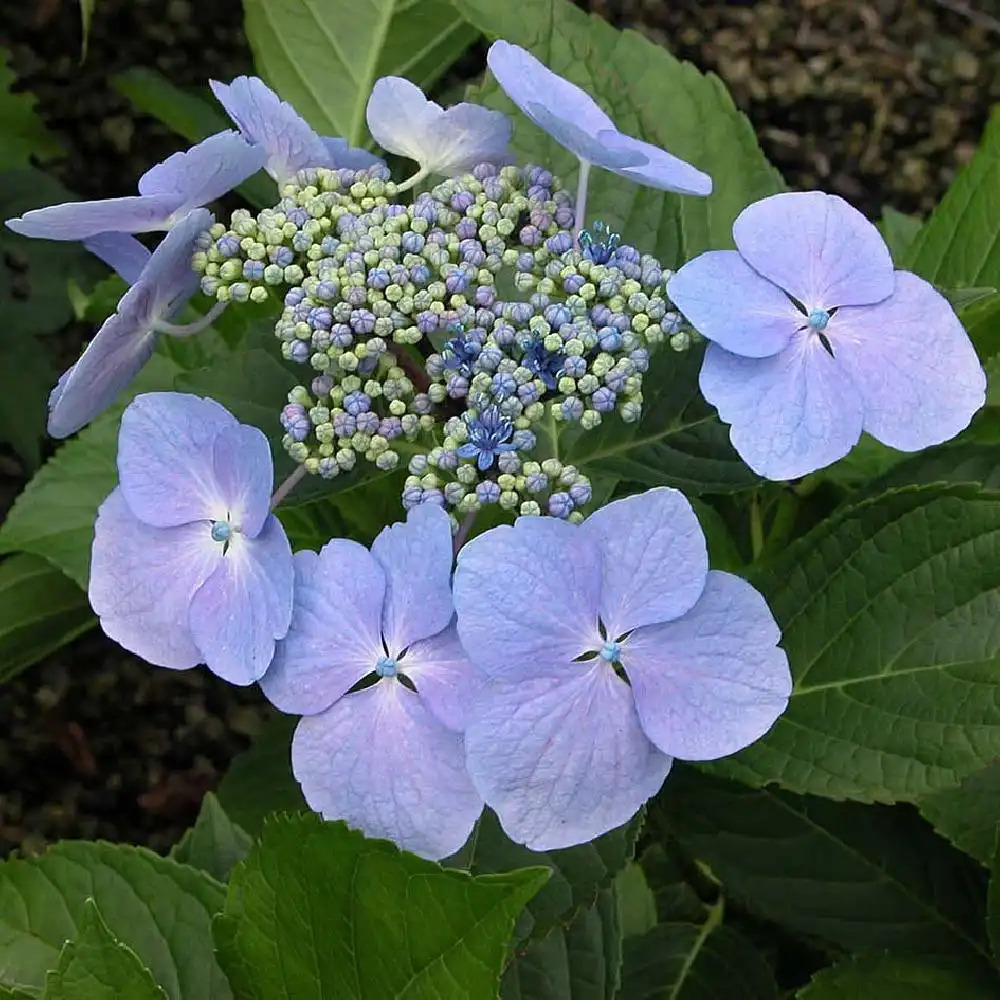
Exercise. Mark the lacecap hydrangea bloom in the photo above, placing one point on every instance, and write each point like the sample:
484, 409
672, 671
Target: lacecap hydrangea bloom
188, 564
373, 663
816, 338
610, 649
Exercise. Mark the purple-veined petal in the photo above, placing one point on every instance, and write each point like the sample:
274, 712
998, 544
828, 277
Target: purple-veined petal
527, 597
379, 760
913, 364
653, 555
791, 413
169, 271
594, 148
334, 639
206, 171
415, 556
142, 580
245, 605
121, 347
444, 676
816, 247
662, 170
165, 462
562, 759
124, 254
729, 303
341, 154
241, 462
403, 121
78, 220
273, 125
714, 681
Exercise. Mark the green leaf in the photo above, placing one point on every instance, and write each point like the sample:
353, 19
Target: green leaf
578, 962
968, 815
324, 55
854, 876
86, 15
190, 115
895, 977
636, 902
54, 515
649, 94
259, 780
215, 844
679, 441
318, 910
40, 610
888, 612
157, 908
679, 961
898, 230
97, 966
26, 379
578, 874
24, 135
993, 900
957, 247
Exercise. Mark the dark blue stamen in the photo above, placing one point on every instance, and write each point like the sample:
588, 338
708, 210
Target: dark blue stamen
599, 243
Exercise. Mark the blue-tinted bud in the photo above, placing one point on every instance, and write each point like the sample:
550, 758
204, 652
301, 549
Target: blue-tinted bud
487, 492
560, 505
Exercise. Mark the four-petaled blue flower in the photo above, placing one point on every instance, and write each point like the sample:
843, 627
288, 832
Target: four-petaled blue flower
575, 121
168, 192
373, 663
815, 338
189, 565
489, 436
559, 744
460, 353
162, 282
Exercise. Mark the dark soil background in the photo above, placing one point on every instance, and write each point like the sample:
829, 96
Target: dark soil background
880, 101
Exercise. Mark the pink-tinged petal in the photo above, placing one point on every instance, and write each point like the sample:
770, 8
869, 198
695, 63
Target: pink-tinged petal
341, 154
729, 303
662, 170
78, 220
334, 639
244, 473
124, 254
379, 760
403, 121
654, 558
913, 364
123, 344
245, 605
444, 677
204, 172
570, 115
791, 414
142, 580
816, 247
562, 759
165, 464
416, 557
527, 597
714, 681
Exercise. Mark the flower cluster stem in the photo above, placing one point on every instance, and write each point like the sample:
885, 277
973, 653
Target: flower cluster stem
580, 210
189, 329
464, 529
287, 486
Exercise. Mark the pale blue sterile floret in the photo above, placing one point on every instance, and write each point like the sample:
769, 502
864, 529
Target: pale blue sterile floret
574, 120
188, 564
386, 756
168, 192
816, 338
162, 282
558, 744
403, 121
276, 127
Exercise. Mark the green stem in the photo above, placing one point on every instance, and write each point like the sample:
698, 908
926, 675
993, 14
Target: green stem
412, 181
756, 527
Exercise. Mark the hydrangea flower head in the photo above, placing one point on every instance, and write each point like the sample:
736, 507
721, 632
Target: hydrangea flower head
611, 649
162, 281
189, 565
276, 127
815, 338
373, 662
403, 121
574, 119
168, 192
